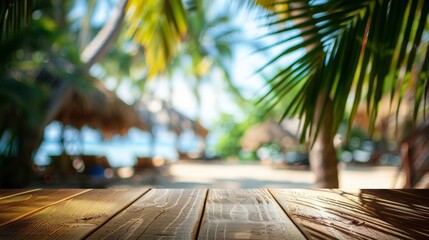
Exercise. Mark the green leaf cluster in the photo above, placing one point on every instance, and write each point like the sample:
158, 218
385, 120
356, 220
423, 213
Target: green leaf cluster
158, 26
231, 131
354, 51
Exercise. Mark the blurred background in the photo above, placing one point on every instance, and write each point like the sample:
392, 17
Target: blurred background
214, 94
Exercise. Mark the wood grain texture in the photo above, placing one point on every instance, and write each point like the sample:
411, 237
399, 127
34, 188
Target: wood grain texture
20, 205
5, 193
404, 209
166, 213
325, 214
220, 214
245, 214
73, 218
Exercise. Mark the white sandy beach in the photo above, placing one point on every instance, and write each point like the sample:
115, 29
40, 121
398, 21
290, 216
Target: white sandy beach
235, 175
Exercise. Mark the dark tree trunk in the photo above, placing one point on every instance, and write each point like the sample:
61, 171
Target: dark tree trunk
323, 158
17, 170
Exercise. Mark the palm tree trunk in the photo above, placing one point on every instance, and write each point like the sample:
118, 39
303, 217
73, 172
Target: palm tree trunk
101, 43
323, 158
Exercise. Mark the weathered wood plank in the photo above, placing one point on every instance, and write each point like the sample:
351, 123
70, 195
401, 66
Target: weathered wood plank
404, 209
5, 193
324, 214
161, 213
73, 218
245, 214
20, 205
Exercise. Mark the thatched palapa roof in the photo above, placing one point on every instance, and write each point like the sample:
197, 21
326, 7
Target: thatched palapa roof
101, 109
267, 132
92, 105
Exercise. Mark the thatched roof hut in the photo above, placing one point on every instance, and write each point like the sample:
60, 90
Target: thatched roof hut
89, 103
267, 132
156, 111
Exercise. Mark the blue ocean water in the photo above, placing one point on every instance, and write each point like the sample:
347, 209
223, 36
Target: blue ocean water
120, 151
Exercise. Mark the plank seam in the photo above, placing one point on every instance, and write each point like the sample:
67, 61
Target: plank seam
200, 223
41, 208
291, 219
20, 193
114, 215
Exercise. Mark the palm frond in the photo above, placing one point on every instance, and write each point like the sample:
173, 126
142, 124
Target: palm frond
368, 48
14, 15
158, 26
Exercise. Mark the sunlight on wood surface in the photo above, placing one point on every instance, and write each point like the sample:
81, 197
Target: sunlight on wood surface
214, 214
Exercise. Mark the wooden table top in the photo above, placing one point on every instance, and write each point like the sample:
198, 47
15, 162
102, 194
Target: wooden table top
214, 214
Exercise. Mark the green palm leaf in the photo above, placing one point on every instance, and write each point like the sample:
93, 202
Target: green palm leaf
357, 47
158, 26
14, 14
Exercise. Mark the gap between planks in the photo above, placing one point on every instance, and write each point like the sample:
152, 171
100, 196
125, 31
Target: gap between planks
202, 214
19, 193
159, 213
122, 209
246, 214
73, 218
284, 210
41, 208
324, 212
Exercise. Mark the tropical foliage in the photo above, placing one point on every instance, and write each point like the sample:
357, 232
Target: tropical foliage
349, 52
32, 78
14, 15
157, 26
209, 47
356, 50
231, 131
203, 51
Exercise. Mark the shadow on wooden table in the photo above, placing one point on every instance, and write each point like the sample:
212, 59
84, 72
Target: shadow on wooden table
358, 214
394, 207
406, 212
